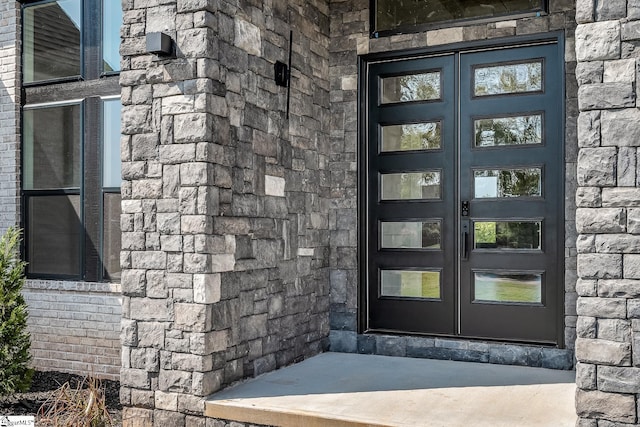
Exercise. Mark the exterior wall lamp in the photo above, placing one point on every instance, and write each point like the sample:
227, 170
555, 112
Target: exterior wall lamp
160, 44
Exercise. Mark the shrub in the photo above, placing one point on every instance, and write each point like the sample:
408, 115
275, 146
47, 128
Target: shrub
15, 374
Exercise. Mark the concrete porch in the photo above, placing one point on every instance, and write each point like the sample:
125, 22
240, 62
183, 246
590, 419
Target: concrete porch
340, 389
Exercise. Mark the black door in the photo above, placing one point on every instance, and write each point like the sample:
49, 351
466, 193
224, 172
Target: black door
464, 194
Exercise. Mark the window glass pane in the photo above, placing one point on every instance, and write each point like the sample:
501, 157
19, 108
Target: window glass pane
411, 185
507, 235
111, 21
52, 40
410, 235
411, 87
509, 78
391, 14
111, 236
53, 235
111, 165
418, 136
52, 149
415, 284
508, 287
508, 131
507, 183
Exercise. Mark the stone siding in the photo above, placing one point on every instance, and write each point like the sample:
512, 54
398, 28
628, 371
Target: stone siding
608, 327
350, 38
225, 200
75, 327
9, 113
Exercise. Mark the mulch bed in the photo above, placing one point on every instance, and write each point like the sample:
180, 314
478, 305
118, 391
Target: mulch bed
43, 387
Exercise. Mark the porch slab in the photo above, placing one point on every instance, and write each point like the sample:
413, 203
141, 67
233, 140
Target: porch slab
347, 390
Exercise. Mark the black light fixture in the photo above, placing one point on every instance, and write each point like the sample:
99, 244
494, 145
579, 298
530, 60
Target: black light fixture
282, 73
160, 44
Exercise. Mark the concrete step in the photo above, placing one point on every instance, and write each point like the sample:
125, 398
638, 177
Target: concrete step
348, 390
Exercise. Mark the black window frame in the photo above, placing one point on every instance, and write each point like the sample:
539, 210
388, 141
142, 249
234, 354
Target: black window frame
88, 89
374, 33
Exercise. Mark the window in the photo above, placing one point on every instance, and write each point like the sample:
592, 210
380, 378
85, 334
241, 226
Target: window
71, 139
403, 15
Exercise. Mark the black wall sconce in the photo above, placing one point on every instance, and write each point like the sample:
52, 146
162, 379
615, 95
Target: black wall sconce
282, 73
160, 44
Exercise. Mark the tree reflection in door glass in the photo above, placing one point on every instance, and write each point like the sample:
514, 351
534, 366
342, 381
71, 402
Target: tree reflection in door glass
506, 235
507, 183
411, 87
517, 130
509, 78
411, 185
408, 283
417, 136
508, 287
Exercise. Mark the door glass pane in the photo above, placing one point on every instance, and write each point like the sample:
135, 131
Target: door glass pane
411, 185
111, 169
418, 136
508, 131
411, 87
410, 235
508, 287
507, 235
415, 284
53, 235
111, 21
507, 183
392, 14
111, 233
52, 150
508, 78
52, 40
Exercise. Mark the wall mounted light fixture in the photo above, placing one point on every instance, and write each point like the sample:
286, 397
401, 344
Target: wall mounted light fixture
282, 73
160, 44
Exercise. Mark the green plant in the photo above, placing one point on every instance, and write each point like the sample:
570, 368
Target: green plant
83, 406
15, 374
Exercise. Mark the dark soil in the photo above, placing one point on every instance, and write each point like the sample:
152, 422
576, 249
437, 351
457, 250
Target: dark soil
43, 387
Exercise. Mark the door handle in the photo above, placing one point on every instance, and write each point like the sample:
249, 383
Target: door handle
464, 240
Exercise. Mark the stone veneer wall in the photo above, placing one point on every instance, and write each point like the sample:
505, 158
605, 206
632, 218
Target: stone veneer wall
350, 38
225, 200
608, 215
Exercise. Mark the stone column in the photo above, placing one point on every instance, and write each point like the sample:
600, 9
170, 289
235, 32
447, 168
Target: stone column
608, 214
225, 200
171, 262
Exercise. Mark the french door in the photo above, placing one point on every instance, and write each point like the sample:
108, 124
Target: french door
464, 189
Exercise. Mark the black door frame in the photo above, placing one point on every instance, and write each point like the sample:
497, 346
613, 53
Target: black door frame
363, 165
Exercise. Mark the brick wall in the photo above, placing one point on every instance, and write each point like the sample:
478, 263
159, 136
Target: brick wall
608, 328
75, 327
225, 200
350, 38
9, 113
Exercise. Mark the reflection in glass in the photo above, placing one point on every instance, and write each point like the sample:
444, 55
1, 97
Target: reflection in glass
411, 185
412, 87
52, 152
52, 40
111, 169
418, 136
508, 287
53, 235
510, 78
392, 14
507, 235
111, 22
111, 232
507, 183
508, 131
414, 284
410, 235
